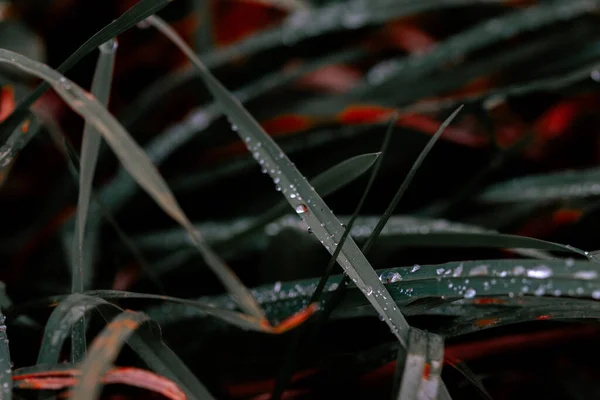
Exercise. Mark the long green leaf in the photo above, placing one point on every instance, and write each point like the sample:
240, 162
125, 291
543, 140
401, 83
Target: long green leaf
298, 192
136, 162
406, 284
81, 274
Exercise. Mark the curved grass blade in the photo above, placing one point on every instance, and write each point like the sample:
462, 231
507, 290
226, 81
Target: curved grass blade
560, 185
325, 183
76, 305
82, 269
298, 192
136, 162
146, 342
103, 352
62, 376
5, 363
488, 278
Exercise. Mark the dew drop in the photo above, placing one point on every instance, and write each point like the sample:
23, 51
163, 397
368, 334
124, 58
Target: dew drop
301, 209
470, 293
369, 290
415, 268
596, 294
539, 272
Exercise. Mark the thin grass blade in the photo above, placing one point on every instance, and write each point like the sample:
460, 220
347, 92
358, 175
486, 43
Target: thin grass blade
407, 180
81, 269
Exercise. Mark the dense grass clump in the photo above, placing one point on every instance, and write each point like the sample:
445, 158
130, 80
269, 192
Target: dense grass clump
169, 171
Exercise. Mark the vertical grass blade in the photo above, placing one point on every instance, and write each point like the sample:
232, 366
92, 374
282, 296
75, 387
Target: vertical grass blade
90, 147
137, 163
411, 174
298, 192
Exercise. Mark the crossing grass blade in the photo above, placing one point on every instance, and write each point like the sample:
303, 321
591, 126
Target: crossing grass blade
298, 192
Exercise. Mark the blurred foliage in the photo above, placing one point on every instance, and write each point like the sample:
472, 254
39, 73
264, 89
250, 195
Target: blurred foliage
324, 78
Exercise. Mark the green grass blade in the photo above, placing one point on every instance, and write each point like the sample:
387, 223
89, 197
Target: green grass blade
90, 147
411, 174
488, 278
287, 369
5, 363
135, 161
129, 19
63, 316
128, 243
317, 293
298, 192
82, 269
